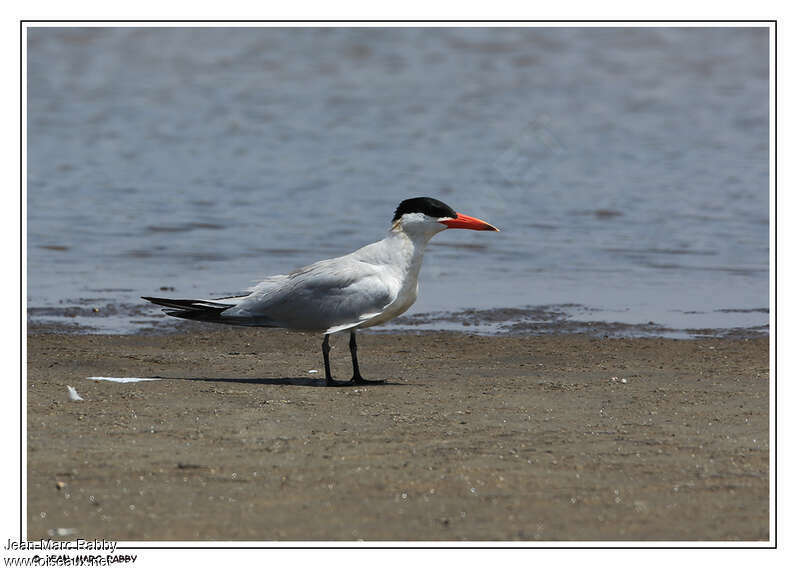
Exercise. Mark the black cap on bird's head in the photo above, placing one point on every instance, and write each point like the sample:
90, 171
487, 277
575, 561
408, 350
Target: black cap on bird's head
437, 209
425, 205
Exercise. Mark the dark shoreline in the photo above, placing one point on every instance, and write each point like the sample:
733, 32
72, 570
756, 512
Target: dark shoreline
563, 319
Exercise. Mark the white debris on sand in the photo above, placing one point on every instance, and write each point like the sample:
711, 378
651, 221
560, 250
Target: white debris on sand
124, 379
73, 395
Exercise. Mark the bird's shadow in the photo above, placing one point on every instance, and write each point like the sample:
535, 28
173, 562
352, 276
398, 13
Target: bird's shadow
298, 381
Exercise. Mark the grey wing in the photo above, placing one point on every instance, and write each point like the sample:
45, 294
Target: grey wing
328, 296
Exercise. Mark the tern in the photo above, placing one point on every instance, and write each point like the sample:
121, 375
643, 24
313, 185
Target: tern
365, 288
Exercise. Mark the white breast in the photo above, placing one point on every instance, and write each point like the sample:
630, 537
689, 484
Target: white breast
403, 259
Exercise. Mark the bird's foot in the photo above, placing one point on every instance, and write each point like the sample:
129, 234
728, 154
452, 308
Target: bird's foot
353, 381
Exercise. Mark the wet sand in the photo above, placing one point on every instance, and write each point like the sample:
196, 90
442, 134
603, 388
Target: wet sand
563, 437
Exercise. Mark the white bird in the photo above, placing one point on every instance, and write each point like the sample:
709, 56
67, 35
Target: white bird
365, 288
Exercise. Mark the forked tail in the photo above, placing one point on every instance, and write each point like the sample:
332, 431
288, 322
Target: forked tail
202, 310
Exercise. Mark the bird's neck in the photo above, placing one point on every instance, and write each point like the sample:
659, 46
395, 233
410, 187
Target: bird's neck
409, 249
401, 251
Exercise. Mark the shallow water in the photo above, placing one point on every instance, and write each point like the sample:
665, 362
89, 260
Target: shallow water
627, 168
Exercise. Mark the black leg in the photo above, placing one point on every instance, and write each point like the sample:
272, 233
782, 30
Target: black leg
326, 349
354, 354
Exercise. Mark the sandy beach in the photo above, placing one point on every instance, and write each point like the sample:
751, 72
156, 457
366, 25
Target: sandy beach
563, 437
